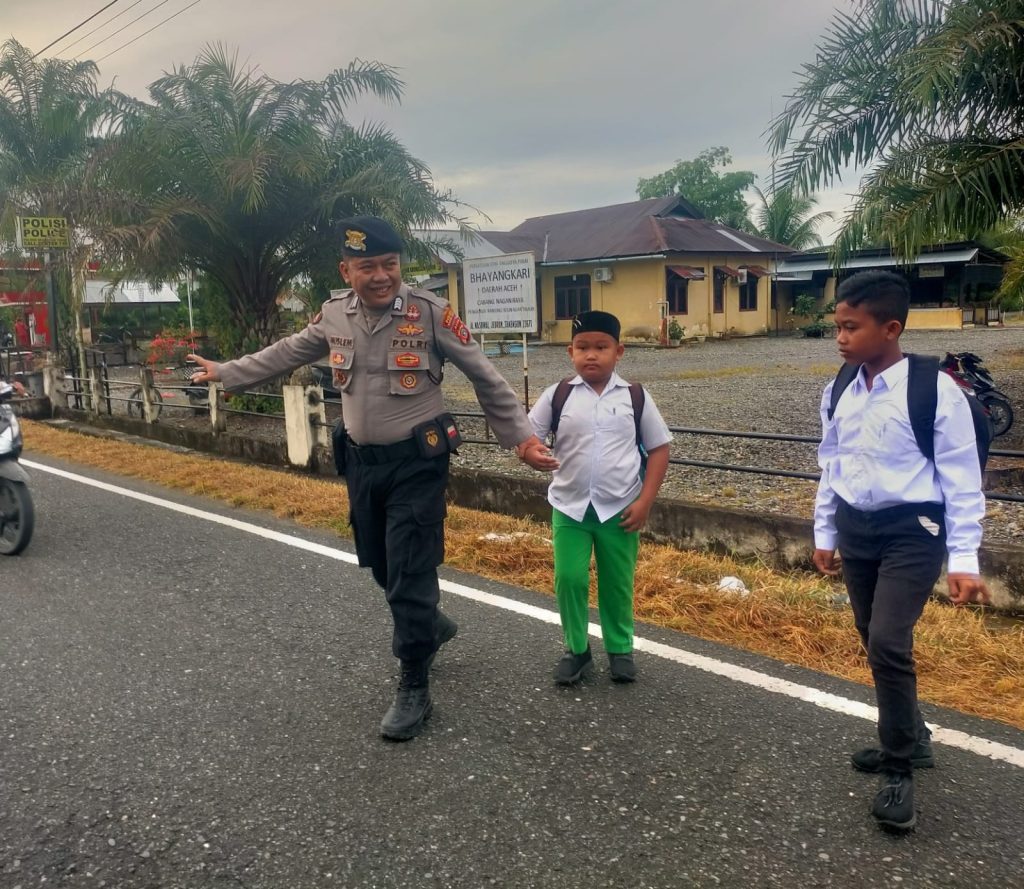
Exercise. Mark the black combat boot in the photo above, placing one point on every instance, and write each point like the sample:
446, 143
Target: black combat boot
444, 631
412, 707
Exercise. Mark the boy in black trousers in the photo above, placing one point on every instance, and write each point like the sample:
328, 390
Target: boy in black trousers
894, 514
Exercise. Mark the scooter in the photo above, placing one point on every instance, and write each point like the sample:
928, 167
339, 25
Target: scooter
17, 515
969, 371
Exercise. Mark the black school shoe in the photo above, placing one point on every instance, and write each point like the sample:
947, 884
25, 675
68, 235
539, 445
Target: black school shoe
571, 667
621, 667
870, 758
894, 803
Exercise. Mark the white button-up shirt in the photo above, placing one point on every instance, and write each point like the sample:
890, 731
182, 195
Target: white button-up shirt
596, 447
869, 458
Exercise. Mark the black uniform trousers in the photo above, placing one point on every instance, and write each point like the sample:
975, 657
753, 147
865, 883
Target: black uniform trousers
397, 514
891, 561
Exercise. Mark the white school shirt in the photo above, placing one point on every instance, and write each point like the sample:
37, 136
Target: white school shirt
596, 446
869, 457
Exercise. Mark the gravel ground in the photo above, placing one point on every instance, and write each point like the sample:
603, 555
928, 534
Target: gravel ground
747, 384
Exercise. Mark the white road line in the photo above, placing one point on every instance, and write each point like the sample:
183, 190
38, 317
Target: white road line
815, 696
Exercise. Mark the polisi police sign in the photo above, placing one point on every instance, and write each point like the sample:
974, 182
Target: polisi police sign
42, 231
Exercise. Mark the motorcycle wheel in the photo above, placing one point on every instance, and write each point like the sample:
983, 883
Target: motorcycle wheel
17, 517
1000, 412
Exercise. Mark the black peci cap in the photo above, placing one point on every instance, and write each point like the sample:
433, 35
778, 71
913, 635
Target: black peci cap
596, 322
369, 236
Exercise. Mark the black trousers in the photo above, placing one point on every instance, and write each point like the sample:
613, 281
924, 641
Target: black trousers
397, 515
891, 561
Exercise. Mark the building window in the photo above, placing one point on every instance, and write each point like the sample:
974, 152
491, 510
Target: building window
719, 292
572, 296
675, 294
748, 294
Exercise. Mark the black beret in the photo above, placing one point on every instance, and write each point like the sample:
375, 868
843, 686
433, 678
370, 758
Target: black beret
369, 236
596, 322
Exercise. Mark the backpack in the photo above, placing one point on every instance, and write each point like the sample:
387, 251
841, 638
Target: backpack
922, 402
636, 395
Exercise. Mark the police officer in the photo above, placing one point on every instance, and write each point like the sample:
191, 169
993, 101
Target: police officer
387, 344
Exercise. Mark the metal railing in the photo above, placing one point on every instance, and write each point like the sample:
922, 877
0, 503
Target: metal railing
82, 389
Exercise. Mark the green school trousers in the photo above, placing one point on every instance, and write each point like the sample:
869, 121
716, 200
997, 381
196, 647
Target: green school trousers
615, 551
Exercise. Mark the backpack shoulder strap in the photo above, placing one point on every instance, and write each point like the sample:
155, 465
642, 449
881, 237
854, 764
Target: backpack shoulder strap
923, 400
558, 400
639, 399
847, 374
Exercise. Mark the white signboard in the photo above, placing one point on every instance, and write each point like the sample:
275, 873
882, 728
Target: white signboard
500, 294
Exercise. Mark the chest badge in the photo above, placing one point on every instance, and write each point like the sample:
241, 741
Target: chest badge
412, 313
407, 359
408, 381
409, 330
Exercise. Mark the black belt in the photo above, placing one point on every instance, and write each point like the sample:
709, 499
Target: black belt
374, 455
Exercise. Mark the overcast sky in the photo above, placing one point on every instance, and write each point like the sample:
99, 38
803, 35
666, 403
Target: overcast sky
521, 108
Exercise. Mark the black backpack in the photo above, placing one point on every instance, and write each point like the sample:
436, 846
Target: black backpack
636, 395
922, 402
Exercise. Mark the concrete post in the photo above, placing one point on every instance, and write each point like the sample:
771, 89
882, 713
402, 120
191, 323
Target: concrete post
53, 379
95, 388
218, 418
150, 395
318, 415
297, 426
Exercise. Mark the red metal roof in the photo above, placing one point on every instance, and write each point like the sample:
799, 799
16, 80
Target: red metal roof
685, 271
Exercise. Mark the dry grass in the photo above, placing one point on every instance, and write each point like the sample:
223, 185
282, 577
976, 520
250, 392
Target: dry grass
963, 662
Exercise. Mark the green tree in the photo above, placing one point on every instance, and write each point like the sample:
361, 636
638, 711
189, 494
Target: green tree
718, 195
786, 218
52, 123
246, 179
927, 97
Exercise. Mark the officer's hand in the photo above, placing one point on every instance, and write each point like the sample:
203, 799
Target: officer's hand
535, 454
18, 387
825, 561
967, 588
209, 371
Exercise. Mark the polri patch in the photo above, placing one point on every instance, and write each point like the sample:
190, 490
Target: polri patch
408, 381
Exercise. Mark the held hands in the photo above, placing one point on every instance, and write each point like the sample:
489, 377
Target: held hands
967, 588
825, 561
535, 454
209, 371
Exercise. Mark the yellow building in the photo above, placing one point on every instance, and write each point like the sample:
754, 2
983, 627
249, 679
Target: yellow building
647, 262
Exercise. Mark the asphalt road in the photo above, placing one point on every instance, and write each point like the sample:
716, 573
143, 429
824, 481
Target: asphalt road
186, 704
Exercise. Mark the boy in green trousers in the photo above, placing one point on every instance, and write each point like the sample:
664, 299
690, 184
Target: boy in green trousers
600, 498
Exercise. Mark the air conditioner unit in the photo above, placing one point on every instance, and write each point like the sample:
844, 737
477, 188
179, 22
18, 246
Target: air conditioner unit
603, 275
741, 277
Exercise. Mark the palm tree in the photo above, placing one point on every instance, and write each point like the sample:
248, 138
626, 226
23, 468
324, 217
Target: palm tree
245, 179
52, 123
785, 217
926, 96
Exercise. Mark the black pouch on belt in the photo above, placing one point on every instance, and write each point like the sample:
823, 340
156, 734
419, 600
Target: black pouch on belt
430, 439
339, 442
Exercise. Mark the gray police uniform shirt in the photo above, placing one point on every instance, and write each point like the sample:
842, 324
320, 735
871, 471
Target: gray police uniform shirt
389, 376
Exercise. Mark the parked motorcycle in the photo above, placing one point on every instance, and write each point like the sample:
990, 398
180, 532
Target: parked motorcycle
17, 515
969, 371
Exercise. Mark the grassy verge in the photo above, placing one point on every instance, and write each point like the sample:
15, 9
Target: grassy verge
962, 662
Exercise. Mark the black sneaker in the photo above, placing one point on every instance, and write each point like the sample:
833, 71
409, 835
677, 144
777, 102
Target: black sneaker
444, 631
894, 803
622, 667
571, 667
412, 707
870, 758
